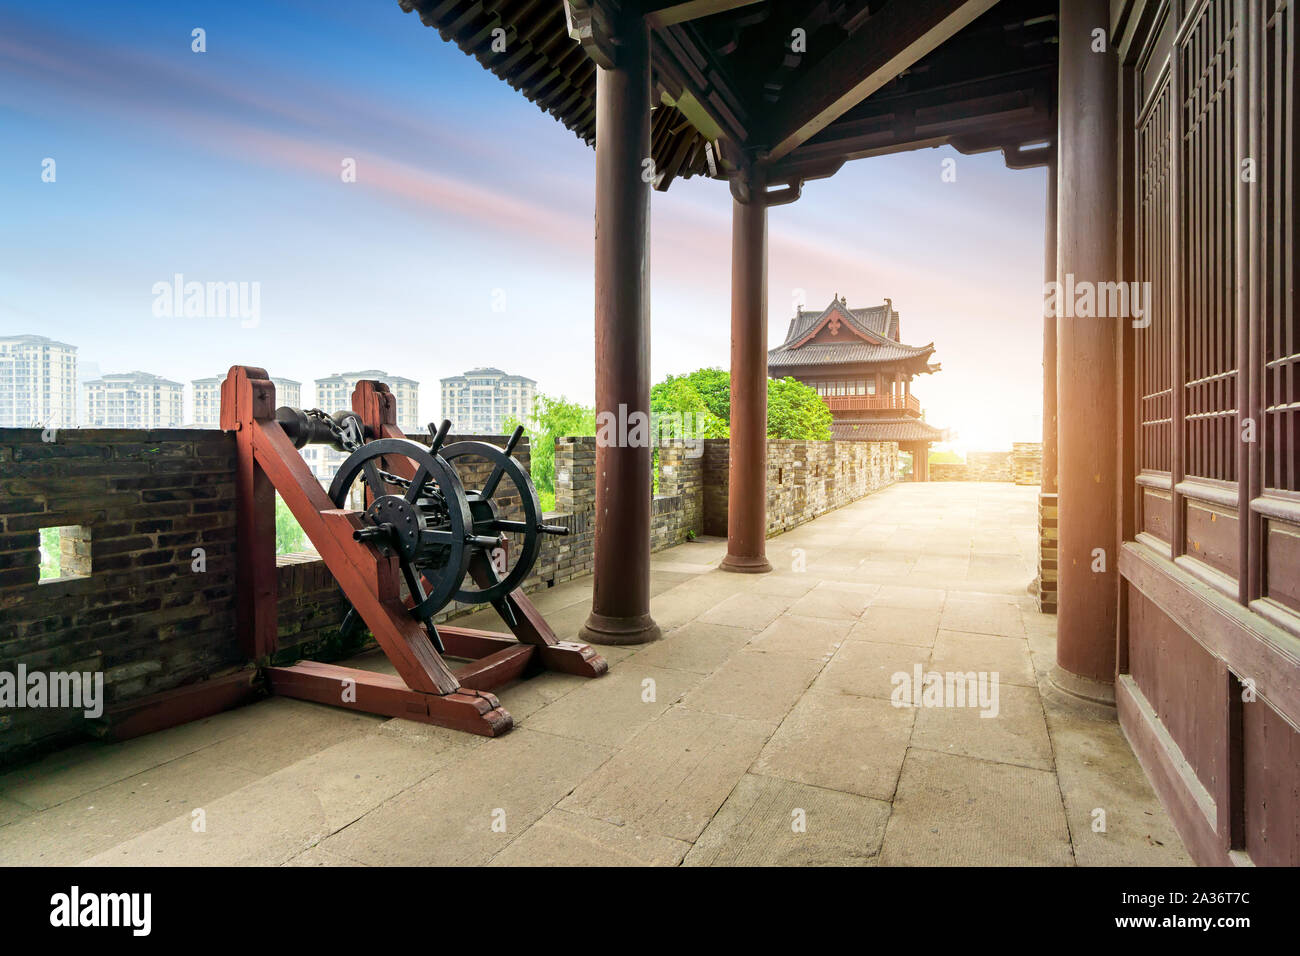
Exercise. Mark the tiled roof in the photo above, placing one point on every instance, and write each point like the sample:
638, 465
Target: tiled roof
848, 352
879, 322
894, 429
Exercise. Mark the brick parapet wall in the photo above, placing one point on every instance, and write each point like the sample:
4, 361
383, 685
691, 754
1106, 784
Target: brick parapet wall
144, 617
1048, 550
804, 479
1022, 465
151, 622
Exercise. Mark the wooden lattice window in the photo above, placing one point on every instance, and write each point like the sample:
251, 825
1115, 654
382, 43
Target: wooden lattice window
1209, 167
1155, 434
1281, 398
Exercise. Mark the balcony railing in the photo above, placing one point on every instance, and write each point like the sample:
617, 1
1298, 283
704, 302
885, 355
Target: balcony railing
871, 403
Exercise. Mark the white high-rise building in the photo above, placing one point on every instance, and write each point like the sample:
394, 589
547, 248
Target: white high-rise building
38, 382
207, 398
134, 400
334, 394
480, 401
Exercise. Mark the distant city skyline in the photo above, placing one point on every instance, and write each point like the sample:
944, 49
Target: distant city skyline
34, 366
481, 400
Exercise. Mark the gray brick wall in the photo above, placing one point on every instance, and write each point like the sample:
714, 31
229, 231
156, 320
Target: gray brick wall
143, 617
150, 622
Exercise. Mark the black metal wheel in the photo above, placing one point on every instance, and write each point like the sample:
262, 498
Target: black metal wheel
487, 510
426, 522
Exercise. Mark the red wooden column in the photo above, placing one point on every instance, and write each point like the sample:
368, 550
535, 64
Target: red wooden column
747, 469
1049, 337
620, 609
1048, 540
247, 393
1087, 379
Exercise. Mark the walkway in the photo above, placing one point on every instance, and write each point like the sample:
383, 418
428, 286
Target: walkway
760, 730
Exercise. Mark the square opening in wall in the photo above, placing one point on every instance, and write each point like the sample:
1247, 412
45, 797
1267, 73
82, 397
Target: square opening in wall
65, 553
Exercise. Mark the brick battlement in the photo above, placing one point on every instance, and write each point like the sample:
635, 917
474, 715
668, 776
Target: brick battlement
148, 594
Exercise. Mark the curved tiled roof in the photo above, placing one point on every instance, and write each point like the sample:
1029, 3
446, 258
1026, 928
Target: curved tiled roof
879, 323
847, 352
891, 429
879, 320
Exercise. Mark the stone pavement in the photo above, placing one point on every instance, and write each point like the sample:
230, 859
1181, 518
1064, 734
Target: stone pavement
760, 730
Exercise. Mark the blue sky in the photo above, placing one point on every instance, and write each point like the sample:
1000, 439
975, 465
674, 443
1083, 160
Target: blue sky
225, 166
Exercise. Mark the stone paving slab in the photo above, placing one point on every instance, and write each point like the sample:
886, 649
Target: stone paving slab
810, 637
833, 603
1015, 733
610, 710
697, 647
1008, 657
840, 742
314, 797
754, 685
771, 822
867, 670
895, 625
672, 777
469, 812
904, 596
772, 736
1097, 770
96, 821
746, 610
976, 613
955, 811
570, 839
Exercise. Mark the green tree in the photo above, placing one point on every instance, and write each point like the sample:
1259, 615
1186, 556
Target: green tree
552, 418
795, 410
51, 554
289, 536
714, 386
679, 396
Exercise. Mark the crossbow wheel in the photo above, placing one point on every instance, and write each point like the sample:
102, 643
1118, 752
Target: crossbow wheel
425, 522
488, 506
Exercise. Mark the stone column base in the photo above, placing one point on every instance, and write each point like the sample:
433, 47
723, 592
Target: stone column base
1083, 688
745, 565
600, 629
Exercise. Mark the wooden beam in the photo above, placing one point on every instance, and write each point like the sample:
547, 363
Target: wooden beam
170, 708
888, 43
466, 708
591, 23
662, 13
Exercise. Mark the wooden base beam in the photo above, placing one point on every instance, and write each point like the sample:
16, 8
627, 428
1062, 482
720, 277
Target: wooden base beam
467, 709
171, 708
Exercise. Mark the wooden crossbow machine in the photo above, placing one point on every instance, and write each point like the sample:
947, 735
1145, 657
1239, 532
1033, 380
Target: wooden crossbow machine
421, 541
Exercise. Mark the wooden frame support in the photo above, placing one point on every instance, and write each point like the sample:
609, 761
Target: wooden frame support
620, 606
1087, 380
747, 480
424, 688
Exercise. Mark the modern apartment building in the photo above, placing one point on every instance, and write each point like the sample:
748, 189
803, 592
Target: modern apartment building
134, 400
207, 398
335, 394
38, 382
480, 401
